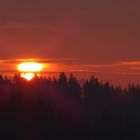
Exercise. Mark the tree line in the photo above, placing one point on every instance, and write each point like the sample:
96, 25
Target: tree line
46, 108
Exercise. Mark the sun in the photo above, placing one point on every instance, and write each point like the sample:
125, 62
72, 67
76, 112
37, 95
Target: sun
28, 69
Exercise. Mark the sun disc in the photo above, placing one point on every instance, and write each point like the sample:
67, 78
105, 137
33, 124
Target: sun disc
30, 67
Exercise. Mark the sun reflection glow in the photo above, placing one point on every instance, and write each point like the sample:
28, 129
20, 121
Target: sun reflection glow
28, 76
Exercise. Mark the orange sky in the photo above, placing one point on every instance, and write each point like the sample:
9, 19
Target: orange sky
121, 72
100, 37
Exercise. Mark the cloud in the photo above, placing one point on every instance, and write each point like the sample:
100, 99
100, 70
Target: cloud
135, 68
41, 60
128, 73
129, 63
122, 67
24, 26
71, 65
82, 70
54, 64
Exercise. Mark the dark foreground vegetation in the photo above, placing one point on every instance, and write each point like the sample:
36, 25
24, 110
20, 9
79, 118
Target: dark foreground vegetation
60, 108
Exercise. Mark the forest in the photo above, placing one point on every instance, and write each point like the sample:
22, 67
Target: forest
60, 108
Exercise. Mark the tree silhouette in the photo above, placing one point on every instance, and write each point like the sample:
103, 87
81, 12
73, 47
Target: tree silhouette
63, 80
48, 107
74, 87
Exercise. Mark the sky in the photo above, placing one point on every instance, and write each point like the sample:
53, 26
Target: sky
100, 37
